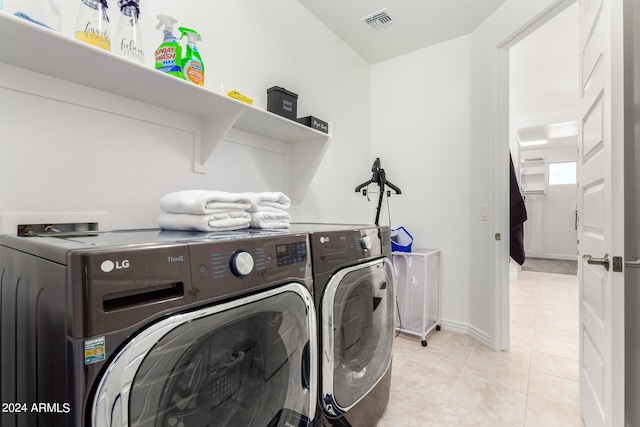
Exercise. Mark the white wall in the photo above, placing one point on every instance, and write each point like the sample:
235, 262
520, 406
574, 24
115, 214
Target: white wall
544, 68
89, 151
420, 130
543, 76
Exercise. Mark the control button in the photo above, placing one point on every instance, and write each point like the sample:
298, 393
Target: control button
203, 269
366, 242
241, 263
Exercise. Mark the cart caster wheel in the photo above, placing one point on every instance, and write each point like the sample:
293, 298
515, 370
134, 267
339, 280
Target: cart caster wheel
424, 343
438, 327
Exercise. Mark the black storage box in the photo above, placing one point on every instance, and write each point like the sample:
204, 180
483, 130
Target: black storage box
282, 102
315, 123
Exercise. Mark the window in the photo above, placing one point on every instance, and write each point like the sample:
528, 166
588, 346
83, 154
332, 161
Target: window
562, 173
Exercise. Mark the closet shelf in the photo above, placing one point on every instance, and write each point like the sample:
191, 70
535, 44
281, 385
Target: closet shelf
29, 46
533, 171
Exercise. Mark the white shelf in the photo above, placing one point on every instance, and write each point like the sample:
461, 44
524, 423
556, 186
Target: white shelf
29, 46
533, 175
533, 171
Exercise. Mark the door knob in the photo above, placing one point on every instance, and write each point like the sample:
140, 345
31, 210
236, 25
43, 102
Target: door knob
598, 261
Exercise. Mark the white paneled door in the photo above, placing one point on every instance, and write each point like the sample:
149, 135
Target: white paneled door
600, 190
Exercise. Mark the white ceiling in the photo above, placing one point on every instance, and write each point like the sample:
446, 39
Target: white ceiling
416, 23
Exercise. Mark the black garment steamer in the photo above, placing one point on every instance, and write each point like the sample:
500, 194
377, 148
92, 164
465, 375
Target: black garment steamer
378, 176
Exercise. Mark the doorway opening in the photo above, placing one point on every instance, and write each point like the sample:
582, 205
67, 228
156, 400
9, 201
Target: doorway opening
543, 141
543, 107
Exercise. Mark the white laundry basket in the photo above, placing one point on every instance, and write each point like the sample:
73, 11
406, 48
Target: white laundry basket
417, 292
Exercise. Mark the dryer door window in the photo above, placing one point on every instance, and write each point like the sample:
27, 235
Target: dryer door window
248, 362
357, 333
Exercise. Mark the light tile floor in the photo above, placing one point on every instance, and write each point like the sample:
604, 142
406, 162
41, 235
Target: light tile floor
455, 381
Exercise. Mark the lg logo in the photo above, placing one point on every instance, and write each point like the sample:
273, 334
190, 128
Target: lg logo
108, 265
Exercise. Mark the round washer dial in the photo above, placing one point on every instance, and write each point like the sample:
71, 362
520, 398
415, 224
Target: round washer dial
366, 243
241, 263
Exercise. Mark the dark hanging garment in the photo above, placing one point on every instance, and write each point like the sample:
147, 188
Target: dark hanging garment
517, 218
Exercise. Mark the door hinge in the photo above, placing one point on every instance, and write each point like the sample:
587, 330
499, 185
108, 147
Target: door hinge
498, 236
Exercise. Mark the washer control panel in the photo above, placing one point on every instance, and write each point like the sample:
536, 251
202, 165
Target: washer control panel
291, 253
241, 263
221, 268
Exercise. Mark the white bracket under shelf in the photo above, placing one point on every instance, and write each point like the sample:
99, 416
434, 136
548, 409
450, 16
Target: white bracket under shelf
305, 155
304, 162
214, 128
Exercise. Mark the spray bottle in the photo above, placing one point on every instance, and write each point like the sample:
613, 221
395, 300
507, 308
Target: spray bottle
192, 65
168, 54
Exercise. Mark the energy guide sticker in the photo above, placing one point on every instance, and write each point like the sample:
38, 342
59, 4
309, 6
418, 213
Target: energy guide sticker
94, 350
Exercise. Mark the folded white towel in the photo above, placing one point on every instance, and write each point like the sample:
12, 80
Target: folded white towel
265, 219
211, 222
203, 202
272, 201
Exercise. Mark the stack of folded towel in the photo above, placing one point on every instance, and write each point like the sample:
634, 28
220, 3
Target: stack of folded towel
269, 210
204, 210
208, 210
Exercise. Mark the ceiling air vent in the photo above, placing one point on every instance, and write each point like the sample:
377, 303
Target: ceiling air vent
378, 20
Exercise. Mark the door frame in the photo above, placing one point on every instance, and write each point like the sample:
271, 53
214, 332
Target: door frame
499, 158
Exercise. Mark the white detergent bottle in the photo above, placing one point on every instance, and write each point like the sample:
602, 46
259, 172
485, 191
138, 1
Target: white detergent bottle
43, 12
92, 25
128, 40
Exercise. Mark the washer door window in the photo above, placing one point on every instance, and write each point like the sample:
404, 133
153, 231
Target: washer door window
357, 333
248, 362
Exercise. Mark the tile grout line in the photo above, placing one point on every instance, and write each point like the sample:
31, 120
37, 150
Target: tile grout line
572, 299
533, 333
446, 403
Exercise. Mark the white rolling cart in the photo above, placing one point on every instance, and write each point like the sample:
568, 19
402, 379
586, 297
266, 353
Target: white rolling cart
417, 292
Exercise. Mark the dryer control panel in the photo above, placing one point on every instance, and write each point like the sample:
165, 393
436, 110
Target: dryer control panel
337, 248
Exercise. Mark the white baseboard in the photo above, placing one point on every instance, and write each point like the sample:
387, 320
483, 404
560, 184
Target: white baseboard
480, 336
466, 329
551, 256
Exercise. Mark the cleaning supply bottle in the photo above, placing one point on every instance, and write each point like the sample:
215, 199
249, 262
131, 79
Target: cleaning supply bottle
128, 41
168, 54
92, 25
192, 65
